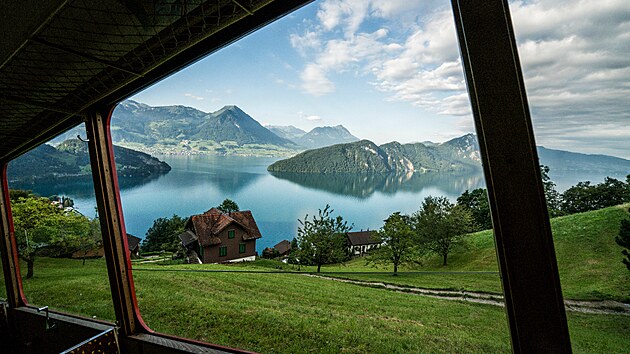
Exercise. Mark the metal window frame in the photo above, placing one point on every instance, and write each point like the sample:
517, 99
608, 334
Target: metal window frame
524, 243
523, 239
133, 330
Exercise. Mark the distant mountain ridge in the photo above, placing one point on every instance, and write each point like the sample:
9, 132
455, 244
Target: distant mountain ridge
287, 132
229, 130
181, 129
145, 124
456, 155
71, 159
317, 137
365, 156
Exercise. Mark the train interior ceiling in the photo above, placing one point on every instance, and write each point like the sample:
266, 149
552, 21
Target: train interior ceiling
63, 63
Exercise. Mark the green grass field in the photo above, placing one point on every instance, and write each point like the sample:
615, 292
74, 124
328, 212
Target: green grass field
589, 261
295, 313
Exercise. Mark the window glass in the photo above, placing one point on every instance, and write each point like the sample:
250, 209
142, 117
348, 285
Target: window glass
57, 228
381, 91
576, 79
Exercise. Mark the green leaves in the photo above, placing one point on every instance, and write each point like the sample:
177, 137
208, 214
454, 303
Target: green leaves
397, 242
477, 202
322, 240
163, 234
42, 228
228, 206
623, 240
441, 225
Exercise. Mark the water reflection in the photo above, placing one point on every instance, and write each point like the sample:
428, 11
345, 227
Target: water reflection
365, 185
76, 186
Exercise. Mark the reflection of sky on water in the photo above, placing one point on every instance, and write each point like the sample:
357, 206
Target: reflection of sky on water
195, 184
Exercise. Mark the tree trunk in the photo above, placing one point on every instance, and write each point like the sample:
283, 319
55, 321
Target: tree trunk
29, 265
395, 269
444, 255
319, 266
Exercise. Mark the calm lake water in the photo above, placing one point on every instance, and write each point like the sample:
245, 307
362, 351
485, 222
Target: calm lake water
277, 201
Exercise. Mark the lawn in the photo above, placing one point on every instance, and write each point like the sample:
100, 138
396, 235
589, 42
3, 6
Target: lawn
589, 261
245, 306
274, 313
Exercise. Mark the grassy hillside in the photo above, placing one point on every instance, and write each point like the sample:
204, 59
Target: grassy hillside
294, 313
588, 258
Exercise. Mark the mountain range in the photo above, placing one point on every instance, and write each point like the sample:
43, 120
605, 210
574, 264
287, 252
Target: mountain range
71, 159
229, 130
456, 155
318, 137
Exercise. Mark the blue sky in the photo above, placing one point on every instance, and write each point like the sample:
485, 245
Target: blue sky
390, 70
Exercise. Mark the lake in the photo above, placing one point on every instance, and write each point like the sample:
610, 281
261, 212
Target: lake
277, 201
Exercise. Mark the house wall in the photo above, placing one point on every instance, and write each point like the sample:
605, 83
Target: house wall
211, 253
362, 249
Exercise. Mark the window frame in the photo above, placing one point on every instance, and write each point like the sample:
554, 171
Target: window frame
491, 131
242, 248
222, 251
231, 233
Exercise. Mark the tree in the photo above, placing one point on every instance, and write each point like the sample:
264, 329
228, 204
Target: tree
163, 235
397, 242
92, 240
584, 196
43, 229
612, 192
552, 197
323, 239
623, 240
228, 206
441, 225
15, 194
270, 253
477, 202
579, 198
294, 253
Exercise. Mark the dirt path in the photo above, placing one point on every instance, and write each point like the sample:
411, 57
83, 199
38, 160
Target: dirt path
595, 307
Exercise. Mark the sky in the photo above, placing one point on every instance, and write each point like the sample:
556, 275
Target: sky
389, 70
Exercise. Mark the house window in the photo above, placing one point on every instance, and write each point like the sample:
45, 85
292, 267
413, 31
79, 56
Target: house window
241, 248
222, 251
230, 233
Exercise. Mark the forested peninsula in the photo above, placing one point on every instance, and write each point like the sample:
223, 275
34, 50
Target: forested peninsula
71, 159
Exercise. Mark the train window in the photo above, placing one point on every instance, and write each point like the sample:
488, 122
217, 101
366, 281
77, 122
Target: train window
576, 79
373, 102
57, 229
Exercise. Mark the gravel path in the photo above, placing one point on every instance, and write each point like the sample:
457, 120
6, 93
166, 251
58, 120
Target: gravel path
607, 307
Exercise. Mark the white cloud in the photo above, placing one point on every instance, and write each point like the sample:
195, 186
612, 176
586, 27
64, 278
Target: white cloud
315, 82
314, 118
311, 117
574, 56
190, 95
304, 43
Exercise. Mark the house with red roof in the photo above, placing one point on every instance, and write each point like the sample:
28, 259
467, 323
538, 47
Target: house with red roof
218, 237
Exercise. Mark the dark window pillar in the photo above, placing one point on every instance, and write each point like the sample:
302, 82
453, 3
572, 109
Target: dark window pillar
523, 239
111, 218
